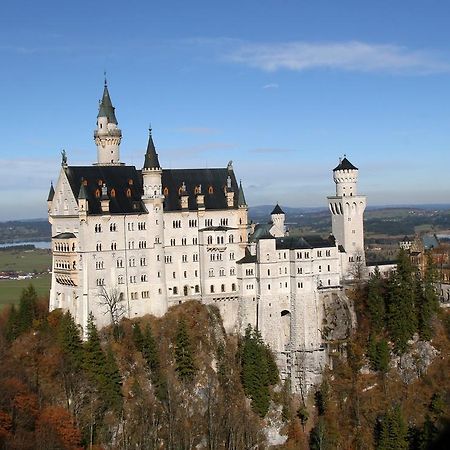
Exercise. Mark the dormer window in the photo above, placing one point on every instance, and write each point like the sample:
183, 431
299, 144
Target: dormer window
97, 193
100, 182
85, 182
210, 190
113, 192
166, 192
128, 192
130, 182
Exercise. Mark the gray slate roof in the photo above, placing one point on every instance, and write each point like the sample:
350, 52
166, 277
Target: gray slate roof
172, 179
304, 242
119, 178
51, 193
277, 210
151, 157
106, 108
241, 199
345, 164
248, 258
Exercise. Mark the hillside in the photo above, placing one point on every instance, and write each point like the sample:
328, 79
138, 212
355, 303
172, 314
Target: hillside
180, 382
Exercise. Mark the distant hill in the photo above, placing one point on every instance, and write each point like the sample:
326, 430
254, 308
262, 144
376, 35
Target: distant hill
25, 231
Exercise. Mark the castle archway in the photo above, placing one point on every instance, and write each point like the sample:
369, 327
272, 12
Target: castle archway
285, 328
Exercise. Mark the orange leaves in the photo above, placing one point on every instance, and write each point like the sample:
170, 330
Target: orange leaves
55, 426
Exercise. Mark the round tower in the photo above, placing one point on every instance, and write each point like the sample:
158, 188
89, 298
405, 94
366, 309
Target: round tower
278, 217
347, 210
107, 135
153, 200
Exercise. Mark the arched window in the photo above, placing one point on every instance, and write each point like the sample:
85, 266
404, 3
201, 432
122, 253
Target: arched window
175, 290
222, 288
210, 190
166, 192
113, 192
128, 192
211, 289
97, 193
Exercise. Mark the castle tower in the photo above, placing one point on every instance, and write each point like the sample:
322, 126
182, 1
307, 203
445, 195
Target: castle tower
153, 200
347, 210
278, 217
107, 136
243, 217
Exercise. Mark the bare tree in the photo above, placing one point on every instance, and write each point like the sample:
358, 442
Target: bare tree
112, 303
357, 270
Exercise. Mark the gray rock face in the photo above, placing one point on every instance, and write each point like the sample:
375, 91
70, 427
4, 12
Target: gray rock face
416, 361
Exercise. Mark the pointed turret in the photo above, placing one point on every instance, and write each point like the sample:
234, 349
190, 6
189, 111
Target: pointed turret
83, 205
151, 157
107, 136
82, 195
106, 108
51, 193
241, 199
277, 210
151, 172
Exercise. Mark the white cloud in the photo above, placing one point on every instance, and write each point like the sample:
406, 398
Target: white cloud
271, 86
349, 56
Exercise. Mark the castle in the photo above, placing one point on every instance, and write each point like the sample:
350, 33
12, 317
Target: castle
151, 238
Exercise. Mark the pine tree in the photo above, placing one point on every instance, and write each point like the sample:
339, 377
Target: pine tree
375, 302
427, 300
70, 342
113, 381
258, 370
102, 368
12, 325
184, 359
402, 318
392, 432
138, 338
27, 309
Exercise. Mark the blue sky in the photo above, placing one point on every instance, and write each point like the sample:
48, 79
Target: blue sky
282, 88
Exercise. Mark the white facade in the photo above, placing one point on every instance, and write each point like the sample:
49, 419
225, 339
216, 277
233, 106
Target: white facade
156, 238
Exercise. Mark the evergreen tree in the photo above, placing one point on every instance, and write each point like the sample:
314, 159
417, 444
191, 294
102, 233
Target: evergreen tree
375, 302
70, 342
184, 359
258, 370
402, 322
378, 354
112, 387
138, 338
392, 432
427, 300
12, 325
27, 309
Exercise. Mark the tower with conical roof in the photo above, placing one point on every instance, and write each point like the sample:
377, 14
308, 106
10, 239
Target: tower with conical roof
151, 171
347, 210
107, 135
278, 217
153, 199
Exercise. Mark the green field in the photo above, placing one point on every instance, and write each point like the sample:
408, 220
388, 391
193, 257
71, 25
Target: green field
37, 260
10, 290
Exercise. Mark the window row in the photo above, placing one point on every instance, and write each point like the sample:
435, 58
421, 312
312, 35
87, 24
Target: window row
59, 247
65, 265
221, 272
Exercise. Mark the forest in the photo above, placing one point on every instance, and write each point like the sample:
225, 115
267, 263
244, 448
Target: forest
181, 382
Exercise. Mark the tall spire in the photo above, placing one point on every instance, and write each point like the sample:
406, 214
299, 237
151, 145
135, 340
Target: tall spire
151, 157
106, 108
51, 193
241, 198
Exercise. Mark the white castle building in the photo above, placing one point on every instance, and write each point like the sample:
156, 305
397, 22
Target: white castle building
157, 237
